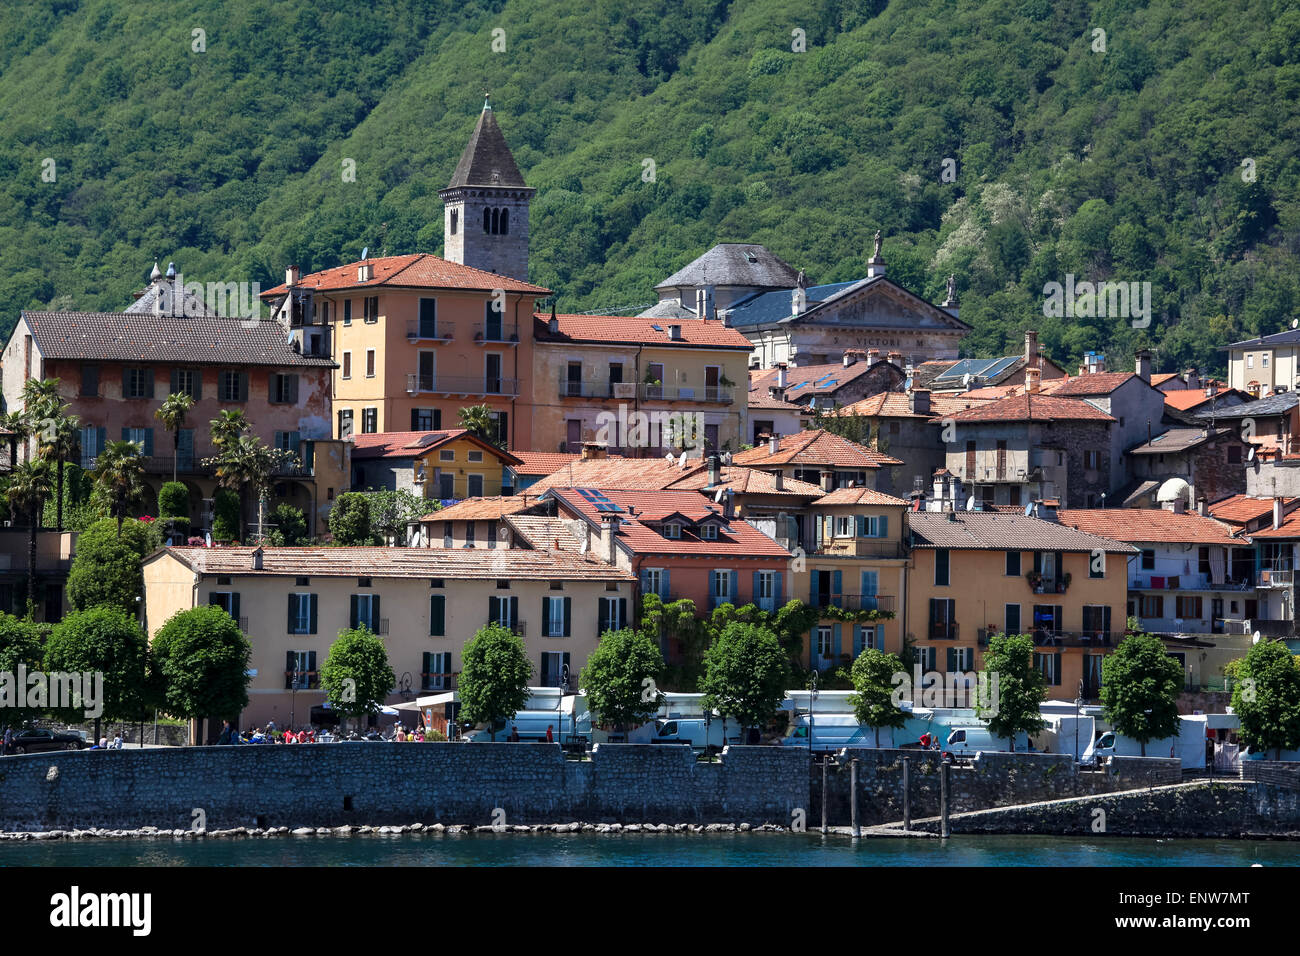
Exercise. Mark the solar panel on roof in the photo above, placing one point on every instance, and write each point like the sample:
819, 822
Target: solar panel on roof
599, 501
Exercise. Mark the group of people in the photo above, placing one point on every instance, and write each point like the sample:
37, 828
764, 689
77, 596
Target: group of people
401, 734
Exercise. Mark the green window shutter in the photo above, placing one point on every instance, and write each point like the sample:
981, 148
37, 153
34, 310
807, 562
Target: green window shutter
437, 615
514, 611
546, 617
376, 620
757, 589
313, 679
176, 381
243, 386
126, 382
355, 614
734, 596
311, 604
288, 669
665, 585
293, 613
882, 526
780, 587
861, 522
836, 630
148, 383
494, 609
568, 616
148, 443
291, 389
837, 583
103, 439
1057, 664
622, 613
234, 605
602, 616
198, 384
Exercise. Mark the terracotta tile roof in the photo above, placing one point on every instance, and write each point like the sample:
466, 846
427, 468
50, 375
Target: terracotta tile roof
1148, 525
146, 338
744, 481
812, 379
1290, 528
737, 537
462, 563
1162, 377
398, 444
1098, 383
1186, 399
544, 532
1242, 509
761, 398
1001, 532
1033, 407
626, 473
815, 447
897, 405
634, 330
416, 271
482, 509
542, 462
859, 496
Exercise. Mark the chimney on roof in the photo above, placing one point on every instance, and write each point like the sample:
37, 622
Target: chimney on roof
827, 479
715, 471
553, 324
257, 559
1031, 349
593, 451
849, 358
729, 504
674, 333
365, 272
291, 276
778, 480
1144, 365
1193, 377
1200, 507
1277, 512
896, 358
1178, 505
780, 375
1032, 376
919, 401
873, 356
608, 522
774, 444
777, 393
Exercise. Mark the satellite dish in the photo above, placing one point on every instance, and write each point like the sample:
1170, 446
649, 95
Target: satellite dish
717, 497
965, 380
970, 503
365, 252
1250, 455
682, 463
1029, 509
726, 458
1255, 638
670, 457
1295, 322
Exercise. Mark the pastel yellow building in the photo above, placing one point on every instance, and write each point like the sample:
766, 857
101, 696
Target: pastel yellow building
974, 574
617, 379
424, 603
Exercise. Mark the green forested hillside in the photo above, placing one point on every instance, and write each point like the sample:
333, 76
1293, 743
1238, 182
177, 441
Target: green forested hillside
1120, 164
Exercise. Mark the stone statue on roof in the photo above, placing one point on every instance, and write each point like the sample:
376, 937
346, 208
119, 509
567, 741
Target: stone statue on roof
876, 253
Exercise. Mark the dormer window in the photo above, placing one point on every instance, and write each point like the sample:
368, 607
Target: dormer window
673, 529
709, 532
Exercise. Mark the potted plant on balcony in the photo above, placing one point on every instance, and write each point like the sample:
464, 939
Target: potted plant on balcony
1035, 580
1065, 583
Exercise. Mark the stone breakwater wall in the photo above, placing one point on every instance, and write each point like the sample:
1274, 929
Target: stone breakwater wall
1226, 809
989, 780
379, 783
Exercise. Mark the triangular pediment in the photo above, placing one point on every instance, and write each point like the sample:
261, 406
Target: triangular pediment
879, 303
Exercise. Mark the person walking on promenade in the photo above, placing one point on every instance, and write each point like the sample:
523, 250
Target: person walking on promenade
550, 737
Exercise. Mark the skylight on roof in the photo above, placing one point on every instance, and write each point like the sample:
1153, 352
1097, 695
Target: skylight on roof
657, 328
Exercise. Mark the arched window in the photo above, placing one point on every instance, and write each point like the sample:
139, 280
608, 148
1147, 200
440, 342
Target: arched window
505, 222
455, 216
487, 220
496, 221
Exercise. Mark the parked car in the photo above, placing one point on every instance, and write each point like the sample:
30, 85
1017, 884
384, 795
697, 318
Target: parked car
35, 741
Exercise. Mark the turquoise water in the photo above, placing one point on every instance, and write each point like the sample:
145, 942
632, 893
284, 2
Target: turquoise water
740, 849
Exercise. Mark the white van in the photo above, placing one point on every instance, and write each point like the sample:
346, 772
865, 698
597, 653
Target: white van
701, 736
834, 732
968, 741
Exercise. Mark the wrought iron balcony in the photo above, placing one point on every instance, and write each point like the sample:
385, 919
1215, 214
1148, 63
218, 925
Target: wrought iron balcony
1276, 577
430, 681
711, 394
438, 331
578, 388
506, 333
461, 385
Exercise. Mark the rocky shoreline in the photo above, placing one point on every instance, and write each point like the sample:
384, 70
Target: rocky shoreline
408, 829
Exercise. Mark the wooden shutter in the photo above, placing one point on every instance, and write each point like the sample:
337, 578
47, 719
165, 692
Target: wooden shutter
293, 613
861, 522
622, 613
311, 604
234, 605
243, 386
568, 616
198, 384
313, 679
734, 596
355, 611
291, 389
437, 615
148, 440
376, 619
148, 383
514, 612
546, 617
289, 659
494, 609
603, 616
176, 381
952, 659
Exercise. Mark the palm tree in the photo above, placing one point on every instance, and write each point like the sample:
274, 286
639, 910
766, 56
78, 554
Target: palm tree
119, 476
228, 427
40, 405
60, 439
15, 423
477, 420
248, 463
172, 415
32, 483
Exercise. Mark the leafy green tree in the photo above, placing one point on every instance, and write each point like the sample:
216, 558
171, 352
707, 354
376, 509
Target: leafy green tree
356, 675
106, 568
290, 526
31, 483
106, 640
1140, 684
675, 624
203, 658
745, 674
392, 511
478, 421
119, 477
349, 519
20, 644
494, 675
1020, 688
172, 414
174, 500
1266, 696
226, 515
619, 678
873, 681
247, 463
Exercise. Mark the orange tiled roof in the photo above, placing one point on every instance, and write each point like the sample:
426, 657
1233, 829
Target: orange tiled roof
483, 509
1242, 509
744, 481
1290, 528
1148, 525
815, 447
627, 473
1186, 399
736, 538
543, 462
1032, 407
464, 563
897, 405
417, 271
859, 496
633, 330
398, 444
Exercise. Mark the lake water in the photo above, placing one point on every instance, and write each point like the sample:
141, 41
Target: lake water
740, 849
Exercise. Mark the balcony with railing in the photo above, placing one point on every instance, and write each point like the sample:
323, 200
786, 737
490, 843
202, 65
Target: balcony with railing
1185, 582
496, 333
301, 680
862, 548
1048, 638
460, 385
436, 682
437, 331
586, 388
1276, 577
709, 394
855, 602
943, 631
1048, 585
162, 465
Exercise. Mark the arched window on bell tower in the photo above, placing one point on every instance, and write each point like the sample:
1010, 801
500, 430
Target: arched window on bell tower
505, 222
455, 216
487, 221
496, 222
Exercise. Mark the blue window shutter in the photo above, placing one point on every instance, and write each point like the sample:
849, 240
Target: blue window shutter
882, 526
148, 443
835, 641
756, 588
862, 526
312, 606
735, 587
126, 434
148, 383
952, 660
103, 439
837, 583
812, 647
665, 584
645, 581
780, 587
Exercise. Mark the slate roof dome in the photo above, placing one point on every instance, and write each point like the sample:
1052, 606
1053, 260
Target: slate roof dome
737, 264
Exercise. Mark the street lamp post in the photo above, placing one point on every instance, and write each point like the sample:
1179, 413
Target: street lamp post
1078, 703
